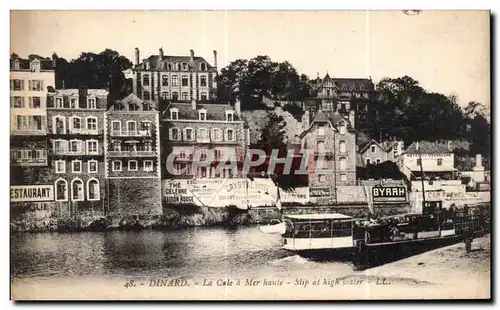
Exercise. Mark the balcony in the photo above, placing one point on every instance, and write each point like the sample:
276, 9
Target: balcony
28, 132
203, 140
132, 154
84, 131
323, 153
134, 133
67, 152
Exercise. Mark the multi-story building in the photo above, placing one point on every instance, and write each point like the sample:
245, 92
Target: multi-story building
343, 95
76, 143
434, 159
176, 78
132, 144
217, 129
374, 152
330, 141
29, 80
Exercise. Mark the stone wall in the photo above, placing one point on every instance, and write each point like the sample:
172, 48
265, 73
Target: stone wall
133, 196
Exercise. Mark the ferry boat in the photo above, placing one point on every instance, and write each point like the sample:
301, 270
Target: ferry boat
319, 234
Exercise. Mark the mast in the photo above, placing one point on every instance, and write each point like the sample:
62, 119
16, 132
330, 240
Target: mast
422, 174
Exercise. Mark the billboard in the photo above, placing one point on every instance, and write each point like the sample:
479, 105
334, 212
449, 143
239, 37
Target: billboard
24, 193
389, 194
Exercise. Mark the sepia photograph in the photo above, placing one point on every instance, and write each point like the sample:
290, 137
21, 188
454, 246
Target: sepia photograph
250, 155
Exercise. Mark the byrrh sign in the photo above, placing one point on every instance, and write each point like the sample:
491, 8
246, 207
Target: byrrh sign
389, 194
31, 193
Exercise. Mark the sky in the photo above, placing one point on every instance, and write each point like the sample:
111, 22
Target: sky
446, 51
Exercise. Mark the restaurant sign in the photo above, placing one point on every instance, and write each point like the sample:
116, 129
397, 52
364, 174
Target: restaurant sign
26, 193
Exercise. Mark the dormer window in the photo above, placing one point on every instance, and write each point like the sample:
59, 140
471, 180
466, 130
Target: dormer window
178, 67
91, 103
16, 64
59, 102
203, 66
229, 116
184, 66
147, 65
174, 114
35, 65
342, 128
145, 80
73, 102
169, 67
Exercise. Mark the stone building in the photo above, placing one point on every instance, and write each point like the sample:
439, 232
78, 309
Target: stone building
217, 129
76, 148
373, 152
343, 95
330, 140
132, 159
176, 78
29, 168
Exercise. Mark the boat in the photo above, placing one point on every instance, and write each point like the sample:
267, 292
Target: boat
274, 227
326, 233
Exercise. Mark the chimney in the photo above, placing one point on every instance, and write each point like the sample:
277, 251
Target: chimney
54, 60
160, 59
160, 53
479, 162
136, 56
215, 59
352, 118
193, 104
237, 107
191, 57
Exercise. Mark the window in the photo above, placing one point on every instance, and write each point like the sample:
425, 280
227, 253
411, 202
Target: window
378, 161
146, 95
92, 166
146, 126
76, 123
61, 190
92, 147
59, 103
368, 161
439, 161
174, 114
148, 165
342, 147
60, 146
203, 172
343, 128
17, 102
91, 123
185, 96
320, 130
217, 134
93, 192
320, 147
164, 80
75, 146
230, 135
132, 165
131, 127
202, 115
343, 177
35, 85
91, 103
17, 85
148, 146
322, 178
116, 127
116, 146
342, 163
60, 166
164, 95
229, 116
76, 166
218, 154
175, 96
419, 162
395, 151
145, 80
117, 165
372, 149
203, 81
189, 134
77, 190
174, 80
174, 134
184, 80
73, 103
203, 134
184, 66
35, 102
203, 66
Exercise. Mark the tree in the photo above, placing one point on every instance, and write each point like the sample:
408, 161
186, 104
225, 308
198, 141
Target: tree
103, 70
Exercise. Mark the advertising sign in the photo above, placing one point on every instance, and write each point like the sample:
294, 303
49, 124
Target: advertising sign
297, 195
319, 192
389, 194
24, 193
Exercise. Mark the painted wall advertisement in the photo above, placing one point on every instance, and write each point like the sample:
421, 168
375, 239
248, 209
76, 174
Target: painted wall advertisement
26, 193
